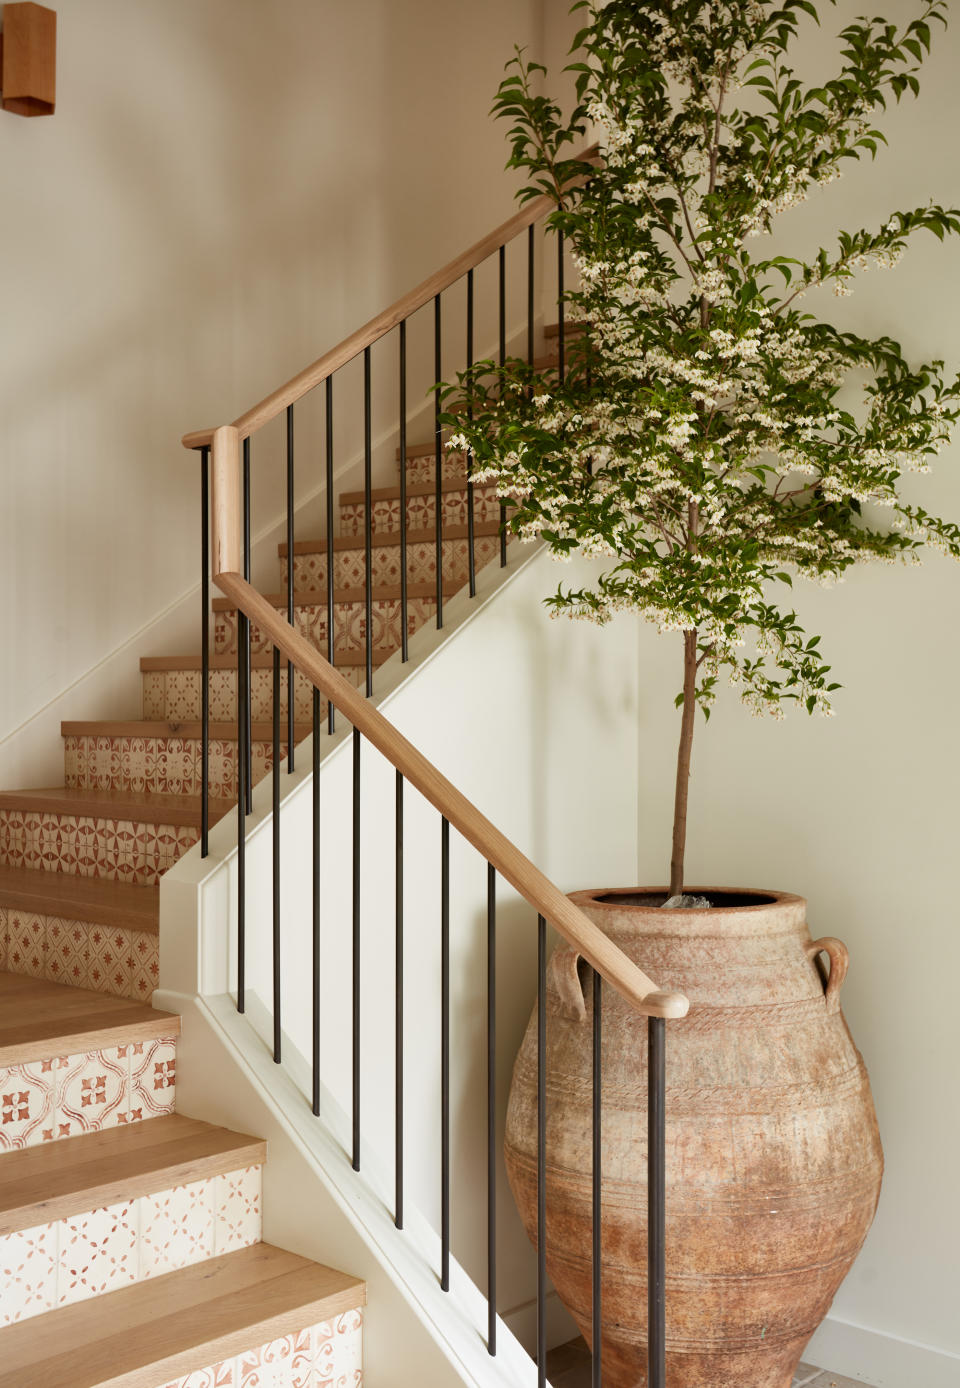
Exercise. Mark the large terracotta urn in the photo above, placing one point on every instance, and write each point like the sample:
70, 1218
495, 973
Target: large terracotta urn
772, 1150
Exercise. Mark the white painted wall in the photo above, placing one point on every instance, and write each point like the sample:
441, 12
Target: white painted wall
226, 190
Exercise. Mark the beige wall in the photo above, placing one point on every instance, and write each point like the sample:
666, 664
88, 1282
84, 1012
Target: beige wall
225, 191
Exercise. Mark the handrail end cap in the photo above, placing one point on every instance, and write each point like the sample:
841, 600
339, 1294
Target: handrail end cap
668, 1005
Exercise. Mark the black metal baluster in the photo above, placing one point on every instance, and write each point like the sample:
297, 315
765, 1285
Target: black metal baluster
491, 1109
331, 653
276, 854
205, 652
471, 510
656, 1203
438, 455
398, 1018
290, 675
367, 521
356, 949
247, 748
561, 325
530, 310
502, 314
404, 633
241, 817
541, 1151
596, 1378
316, 901
445, 1054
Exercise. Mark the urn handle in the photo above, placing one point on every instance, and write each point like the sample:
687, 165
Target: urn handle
839, 957
565, 978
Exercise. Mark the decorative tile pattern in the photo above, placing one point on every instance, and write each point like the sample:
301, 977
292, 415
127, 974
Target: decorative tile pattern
98, 1252
453, 467
238, 1208
338, 1351
27, 1105
28, 1273
117, 850
153, 1077
92, 1092
421, 511
309, 569
26, 946
220, 1376
177, 1228
173, 767
122, 962
283, 1363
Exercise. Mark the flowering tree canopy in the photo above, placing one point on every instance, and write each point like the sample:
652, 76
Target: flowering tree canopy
701, 438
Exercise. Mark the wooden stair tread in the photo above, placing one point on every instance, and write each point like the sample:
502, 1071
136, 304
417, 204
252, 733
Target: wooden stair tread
188, 729
77, 898
166, 1327
413, 489
57, 1179
317, 597
39, 1020
141, 807
382, 538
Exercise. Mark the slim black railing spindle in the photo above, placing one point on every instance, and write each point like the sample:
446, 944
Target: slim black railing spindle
290, 674
247, 747
541, 1151
502, 319
331, 558
471, 506
561, 319
491, 1109
404, 619
356, 950
276, 854
445, 1053
205, 652
596, 1378
315, 1057
398, 1015
438, 454
367, 522
530, 287
656, 1204
241, 817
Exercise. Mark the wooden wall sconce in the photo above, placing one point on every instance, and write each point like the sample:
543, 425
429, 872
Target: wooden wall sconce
28, 60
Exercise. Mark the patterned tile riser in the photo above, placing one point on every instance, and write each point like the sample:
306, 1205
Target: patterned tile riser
421, 511
453, 468
114, 849
310, 569
161, 765
102, 1250
328, 1355
311, 622
117, 960
46, 1100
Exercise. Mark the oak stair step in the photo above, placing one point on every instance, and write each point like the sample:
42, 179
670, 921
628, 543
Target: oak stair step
70, 897
167, 1327
42, 1184
40, 1020
140, 807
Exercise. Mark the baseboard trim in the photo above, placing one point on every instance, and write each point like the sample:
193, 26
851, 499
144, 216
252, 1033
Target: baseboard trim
884, 1361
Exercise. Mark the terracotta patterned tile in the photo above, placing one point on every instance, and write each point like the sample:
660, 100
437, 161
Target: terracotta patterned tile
11, 838
71, 763
32, 839
27, 1105
223, 767
283, 1363
68, 955
143, 964
338, 1351
104, 763
123, 850
177, 1227
238, 1209
26, 943
175, 769
92, 1092
98, 1252
183, 695
4, 939
28, 1273
137, 760
58, 844
153, 702
225, 632
223, 695
153, 1076
89, 836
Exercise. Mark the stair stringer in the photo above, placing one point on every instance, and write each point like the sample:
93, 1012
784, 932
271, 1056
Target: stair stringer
579, 823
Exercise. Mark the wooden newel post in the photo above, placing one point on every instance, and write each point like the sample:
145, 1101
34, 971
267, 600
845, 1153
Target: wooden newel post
227, 511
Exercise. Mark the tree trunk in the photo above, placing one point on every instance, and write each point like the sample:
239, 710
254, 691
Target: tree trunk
683, 761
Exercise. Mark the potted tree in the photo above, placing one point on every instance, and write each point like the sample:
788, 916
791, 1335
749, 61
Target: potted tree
712, 439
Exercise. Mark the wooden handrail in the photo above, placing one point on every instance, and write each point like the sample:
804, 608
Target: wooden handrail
547, 899
275, 403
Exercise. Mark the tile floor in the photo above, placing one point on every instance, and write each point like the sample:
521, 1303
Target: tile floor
569, 1367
